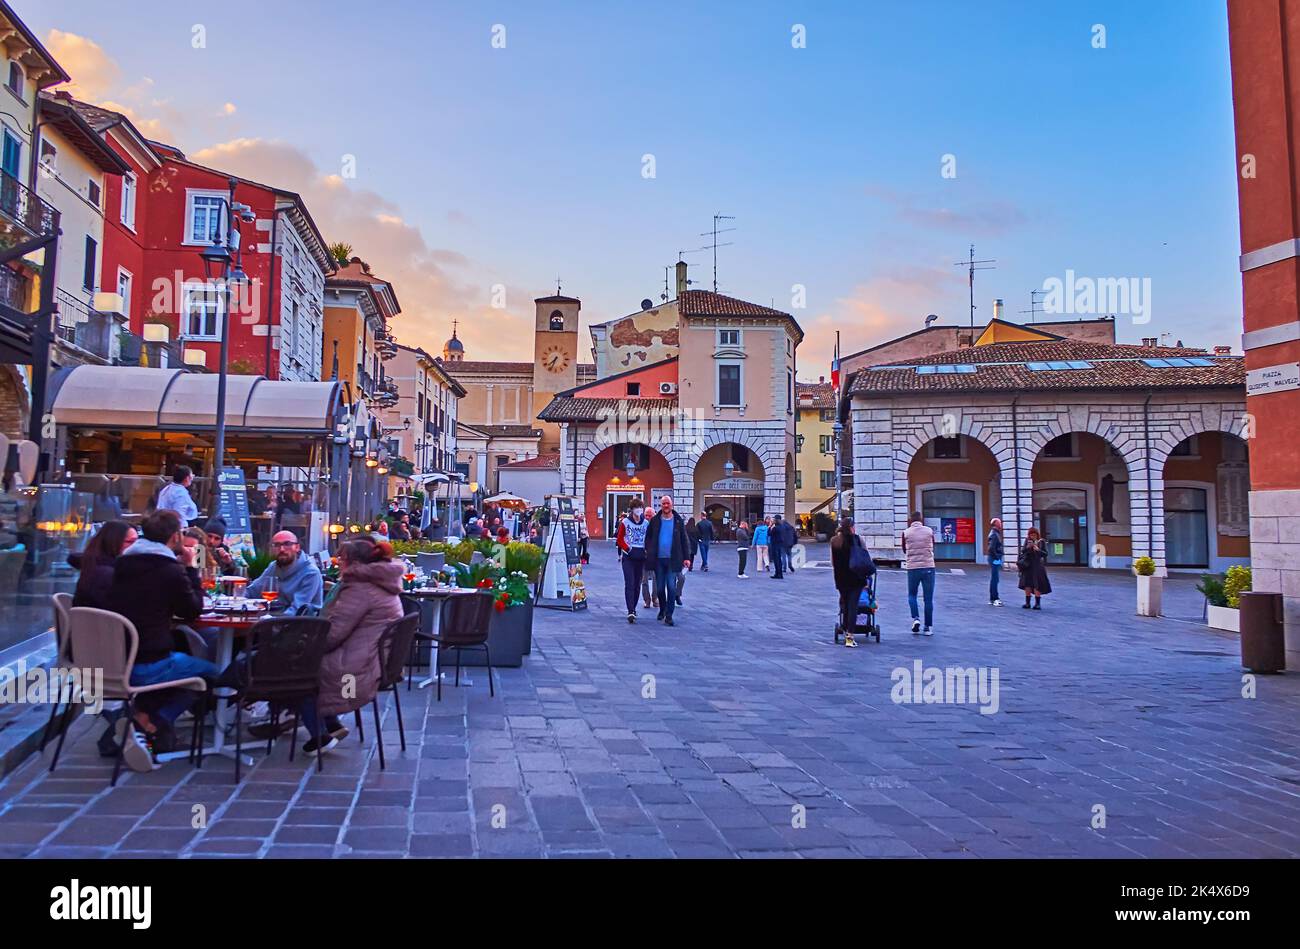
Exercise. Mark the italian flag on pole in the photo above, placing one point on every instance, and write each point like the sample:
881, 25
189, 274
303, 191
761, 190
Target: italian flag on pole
835, 366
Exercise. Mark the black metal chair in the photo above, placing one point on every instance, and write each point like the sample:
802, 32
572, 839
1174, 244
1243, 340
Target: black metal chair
463, 624
422, 609
394, 648
283, 670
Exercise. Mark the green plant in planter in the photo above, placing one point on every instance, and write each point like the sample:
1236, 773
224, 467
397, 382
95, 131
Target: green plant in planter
1211, 586
1144, 567
256, 562
477, 576
525, 559
1236, 582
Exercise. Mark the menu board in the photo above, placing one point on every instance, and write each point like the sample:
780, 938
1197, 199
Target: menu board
232, 507
572, 557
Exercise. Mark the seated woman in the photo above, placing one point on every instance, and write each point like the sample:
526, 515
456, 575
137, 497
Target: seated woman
365, 602
96, 563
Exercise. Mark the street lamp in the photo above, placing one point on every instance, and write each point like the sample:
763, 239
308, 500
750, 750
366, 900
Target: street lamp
219, 263
837, 430
630, 468
729, 468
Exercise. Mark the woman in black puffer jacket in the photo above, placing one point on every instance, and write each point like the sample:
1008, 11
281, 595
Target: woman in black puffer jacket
96, 563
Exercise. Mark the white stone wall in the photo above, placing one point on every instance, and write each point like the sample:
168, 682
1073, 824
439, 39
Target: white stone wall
888, 432
1275, 557
769, 441
300, 342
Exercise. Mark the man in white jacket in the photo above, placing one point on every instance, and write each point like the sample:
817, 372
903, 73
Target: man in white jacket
176, 496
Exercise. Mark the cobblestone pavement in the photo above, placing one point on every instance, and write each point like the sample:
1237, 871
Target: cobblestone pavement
744, 732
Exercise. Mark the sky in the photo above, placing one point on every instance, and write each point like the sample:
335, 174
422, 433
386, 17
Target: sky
861, 148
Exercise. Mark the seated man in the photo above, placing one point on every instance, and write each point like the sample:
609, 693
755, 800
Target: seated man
298, 583
218, 552
154, 583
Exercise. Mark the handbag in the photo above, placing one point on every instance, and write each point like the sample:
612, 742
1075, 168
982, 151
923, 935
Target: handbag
860, 563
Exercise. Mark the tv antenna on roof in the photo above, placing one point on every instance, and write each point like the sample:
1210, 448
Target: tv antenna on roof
715, 245
973, 265
1033, 305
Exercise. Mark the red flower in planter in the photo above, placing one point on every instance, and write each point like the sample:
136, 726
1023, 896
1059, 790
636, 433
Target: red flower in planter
485, 584
499, 606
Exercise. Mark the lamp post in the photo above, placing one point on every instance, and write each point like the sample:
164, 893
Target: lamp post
838, 431
220, 262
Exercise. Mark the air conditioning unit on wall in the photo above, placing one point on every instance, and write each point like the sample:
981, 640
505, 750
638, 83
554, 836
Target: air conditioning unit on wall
667, 388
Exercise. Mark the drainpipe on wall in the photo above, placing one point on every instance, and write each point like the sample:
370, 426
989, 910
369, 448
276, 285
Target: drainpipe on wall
1015, 461
1146, 435
270, 290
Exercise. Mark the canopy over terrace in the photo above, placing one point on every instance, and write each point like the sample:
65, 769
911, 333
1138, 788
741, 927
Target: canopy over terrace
130, 423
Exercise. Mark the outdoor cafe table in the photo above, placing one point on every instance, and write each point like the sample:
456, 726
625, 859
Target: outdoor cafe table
229, 618
438, 595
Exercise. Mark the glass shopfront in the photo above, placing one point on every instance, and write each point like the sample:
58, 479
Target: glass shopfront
950, 513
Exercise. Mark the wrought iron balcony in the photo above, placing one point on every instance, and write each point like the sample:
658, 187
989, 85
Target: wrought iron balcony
24, 216
15, 289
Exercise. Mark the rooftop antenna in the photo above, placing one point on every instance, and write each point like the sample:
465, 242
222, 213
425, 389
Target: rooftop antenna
715, 245
973, 265
557, 287
681, 255
1033, 305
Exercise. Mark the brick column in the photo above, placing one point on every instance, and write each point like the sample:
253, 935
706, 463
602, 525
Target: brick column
1264, 43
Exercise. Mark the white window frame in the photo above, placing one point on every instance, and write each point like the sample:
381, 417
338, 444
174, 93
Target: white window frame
130, 289
21, 91
127, 211
91, 183
190, 195
190, 289
717, 383
963, 450
50, 168
723, 344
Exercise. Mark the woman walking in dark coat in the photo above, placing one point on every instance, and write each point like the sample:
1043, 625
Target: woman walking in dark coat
1033, 569
848, 582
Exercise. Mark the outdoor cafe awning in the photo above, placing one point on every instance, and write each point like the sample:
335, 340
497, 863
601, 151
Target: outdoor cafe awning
174, 400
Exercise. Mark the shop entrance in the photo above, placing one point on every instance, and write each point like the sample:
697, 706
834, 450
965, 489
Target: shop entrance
616, 506
727, 511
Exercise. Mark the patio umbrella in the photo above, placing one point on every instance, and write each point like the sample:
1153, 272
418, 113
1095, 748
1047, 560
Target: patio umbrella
506, 499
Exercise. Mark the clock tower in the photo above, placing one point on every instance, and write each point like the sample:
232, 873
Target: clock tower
555, 356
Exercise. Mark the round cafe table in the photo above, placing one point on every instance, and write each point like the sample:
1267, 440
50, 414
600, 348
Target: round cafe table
438, 596
229, 618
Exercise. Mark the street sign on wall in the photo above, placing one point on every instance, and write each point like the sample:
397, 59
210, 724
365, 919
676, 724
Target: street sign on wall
1281, 378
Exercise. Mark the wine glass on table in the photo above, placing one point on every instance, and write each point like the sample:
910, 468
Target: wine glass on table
270, 590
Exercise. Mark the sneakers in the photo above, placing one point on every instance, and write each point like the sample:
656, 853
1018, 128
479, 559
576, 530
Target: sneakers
327, 743
631, 617
849, 640
927, 631
679, 601
339, 733
995, 602
108, 742
916, 626
742, 576
136, 754
669, 622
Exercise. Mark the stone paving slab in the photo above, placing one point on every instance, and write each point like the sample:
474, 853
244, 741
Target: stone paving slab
743, 732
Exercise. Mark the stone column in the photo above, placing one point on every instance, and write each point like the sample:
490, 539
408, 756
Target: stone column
874, 458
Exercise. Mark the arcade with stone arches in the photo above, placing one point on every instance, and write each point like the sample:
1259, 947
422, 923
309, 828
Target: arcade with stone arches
1104, 481
757, 483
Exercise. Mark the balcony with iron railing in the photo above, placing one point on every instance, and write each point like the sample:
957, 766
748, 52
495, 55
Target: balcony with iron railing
24, 216
15, 289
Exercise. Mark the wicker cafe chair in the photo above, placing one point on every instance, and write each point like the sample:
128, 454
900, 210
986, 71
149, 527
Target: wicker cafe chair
283, 670
62, 603
394, 649
464, 625
99, 639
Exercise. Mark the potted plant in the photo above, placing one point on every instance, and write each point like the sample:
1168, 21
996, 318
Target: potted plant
1149, 587
823, 526
510, 629
1223, 597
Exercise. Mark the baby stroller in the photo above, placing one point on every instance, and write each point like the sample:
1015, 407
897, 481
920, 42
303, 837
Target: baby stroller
866, 616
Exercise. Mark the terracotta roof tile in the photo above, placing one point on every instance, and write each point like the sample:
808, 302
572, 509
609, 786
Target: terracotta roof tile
576, 409
815, 395
708, 303
541, 461
1001, 367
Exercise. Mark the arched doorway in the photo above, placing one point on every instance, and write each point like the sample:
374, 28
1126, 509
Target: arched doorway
729, 480
1081, 501
955, 482
1206, 510
610, 489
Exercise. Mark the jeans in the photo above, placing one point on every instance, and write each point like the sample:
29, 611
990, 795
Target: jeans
311, 721
994, 572
778, 559
744, 555
668, 574
176, 666
632, 574
922, 577
704, 553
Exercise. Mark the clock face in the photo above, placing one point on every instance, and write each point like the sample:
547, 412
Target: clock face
555, 359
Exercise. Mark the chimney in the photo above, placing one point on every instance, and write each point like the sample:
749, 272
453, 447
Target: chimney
1223, 350
682, 282
821, 379
997, 309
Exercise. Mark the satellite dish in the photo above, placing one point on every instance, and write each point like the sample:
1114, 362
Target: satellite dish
931, 318
647, 303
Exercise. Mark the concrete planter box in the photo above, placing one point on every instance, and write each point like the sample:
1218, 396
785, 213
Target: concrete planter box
1223, 617
510, 638
1149, 594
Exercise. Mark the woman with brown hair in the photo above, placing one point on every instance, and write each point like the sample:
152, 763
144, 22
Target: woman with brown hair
96, 563
367, 601
1033, 569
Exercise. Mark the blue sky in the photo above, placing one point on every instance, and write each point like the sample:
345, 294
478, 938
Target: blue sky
479, 166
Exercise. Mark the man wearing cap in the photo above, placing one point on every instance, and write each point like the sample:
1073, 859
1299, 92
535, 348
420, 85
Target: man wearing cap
669, 549
215, 528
